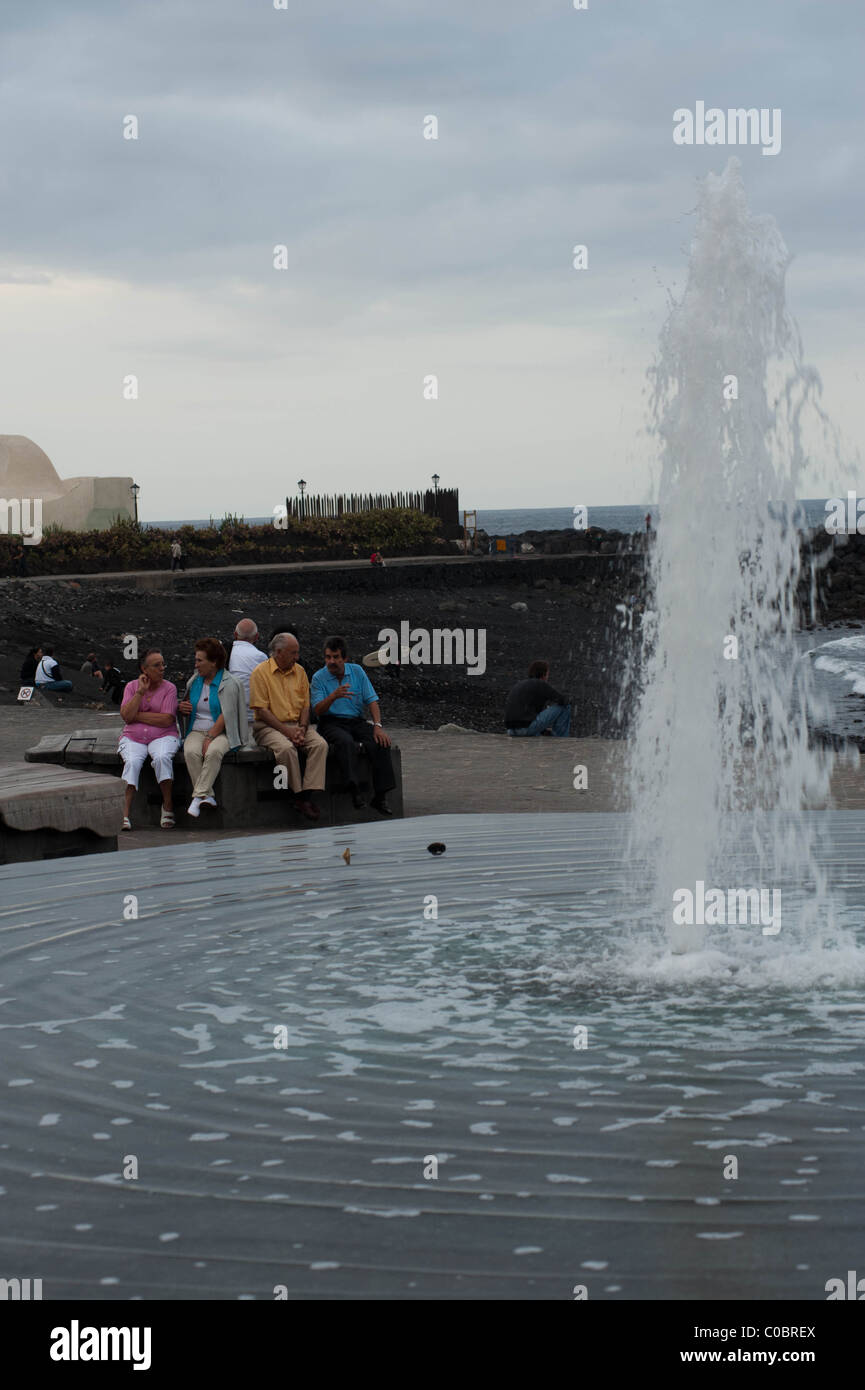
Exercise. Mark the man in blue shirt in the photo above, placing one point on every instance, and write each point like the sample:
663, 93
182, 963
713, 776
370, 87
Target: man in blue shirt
338, 694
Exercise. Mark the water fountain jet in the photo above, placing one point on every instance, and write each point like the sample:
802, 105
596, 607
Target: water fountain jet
721, 758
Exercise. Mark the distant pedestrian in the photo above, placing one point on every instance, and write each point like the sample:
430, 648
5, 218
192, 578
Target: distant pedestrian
377, 559
19, 563
533, 707
177, 560
648, 523
48, 673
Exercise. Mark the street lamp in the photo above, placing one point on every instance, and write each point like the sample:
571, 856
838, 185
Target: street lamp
301, 487
435, 480
135, 489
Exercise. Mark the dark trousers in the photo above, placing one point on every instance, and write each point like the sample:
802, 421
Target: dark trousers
343, 734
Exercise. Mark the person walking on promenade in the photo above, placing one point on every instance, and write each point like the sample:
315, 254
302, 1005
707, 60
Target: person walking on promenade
48, 673
245, 656
177, 560
214, 708
279, 695
149, 713
340, 691
648, 523
533, 707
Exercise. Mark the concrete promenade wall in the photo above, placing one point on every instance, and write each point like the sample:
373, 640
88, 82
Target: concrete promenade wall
360, 576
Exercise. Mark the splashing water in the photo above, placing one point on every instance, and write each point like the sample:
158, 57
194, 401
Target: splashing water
720, 763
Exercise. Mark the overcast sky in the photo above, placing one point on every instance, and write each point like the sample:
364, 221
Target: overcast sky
406, 256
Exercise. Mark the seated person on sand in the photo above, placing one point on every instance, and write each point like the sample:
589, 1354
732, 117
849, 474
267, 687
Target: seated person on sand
28, 668
91, 666
279, 696
48, 673
533, 707
340, 691
149, 713
112, 682
214, 710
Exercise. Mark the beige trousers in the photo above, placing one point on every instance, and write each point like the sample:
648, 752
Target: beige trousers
203, 771
285, 753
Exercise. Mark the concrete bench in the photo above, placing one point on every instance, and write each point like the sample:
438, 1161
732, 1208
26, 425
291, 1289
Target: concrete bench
244, 788
47, 813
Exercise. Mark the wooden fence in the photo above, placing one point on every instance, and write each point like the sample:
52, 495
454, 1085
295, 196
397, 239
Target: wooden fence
444, 504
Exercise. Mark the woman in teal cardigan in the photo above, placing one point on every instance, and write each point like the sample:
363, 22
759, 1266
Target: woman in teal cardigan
215, 721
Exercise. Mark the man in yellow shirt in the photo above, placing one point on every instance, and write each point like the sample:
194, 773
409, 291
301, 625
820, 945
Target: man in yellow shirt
279, 698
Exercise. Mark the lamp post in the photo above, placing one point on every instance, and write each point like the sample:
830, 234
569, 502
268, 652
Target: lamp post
301, 487
435, 482
135, 489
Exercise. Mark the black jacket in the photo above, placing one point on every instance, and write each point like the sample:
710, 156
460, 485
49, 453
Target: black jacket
526, 700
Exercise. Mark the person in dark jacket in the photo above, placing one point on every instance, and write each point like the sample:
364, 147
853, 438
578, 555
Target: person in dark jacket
113, 681
31, 661
533, 707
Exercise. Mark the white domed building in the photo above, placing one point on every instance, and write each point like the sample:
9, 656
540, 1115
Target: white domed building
76, 504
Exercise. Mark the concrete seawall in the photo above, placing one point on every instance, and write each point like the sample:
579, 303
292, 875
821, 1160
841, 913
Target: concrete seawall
447, 572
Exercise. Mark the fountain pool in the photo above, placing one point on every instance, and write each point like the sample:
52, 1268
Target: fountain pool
409, 1037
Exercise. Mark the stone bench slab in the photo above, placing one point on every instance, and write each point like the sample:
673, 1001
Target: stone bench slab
244, 788
49, 749
38, 798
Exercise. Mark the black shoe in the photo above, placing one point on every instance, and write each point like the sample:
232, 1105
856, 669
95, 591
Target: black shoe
379, 804
357, 801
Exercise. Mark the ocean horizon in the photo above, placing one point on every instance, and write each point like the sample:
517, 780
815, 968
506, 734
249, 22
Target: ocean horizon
508, 521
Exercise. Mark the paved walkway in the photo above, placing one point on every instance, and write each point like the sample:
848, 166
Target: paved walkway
442, 773
167, 577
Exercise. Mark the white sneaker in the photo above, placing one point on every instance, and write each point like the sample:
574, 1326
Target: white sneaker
194, 808
208, 800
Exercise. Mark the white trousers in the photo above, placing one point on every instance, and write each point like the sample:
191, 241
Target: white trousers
161, 750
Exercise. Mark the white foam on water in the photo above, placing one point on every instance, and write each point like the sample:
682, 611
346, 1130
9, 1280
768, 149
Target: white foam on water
844, 657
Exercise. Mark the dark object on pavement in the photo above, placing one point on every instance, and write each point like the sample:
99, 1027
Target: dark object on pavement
436, 848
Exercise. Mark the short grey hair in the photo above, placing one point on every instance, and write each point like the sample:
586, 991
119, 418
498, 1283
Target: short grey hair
279, 640
246, 630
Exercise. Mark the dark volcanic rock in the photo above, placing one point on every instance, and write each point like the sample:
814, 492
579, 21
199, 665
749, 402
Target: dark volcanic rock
570, 621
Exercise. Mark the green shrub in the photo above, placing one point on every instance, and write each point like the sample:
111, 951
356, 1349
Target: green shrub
126, 546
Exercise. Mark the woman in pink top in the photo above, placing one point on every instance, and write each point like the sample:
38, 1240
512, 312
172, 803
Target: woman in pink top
149, 713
